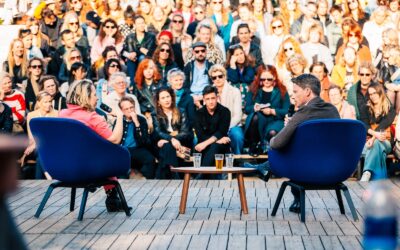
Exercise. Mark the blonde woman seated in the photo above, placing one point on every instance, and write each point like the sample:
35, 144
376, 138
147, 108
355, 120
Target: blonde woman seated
44, 108
346, 110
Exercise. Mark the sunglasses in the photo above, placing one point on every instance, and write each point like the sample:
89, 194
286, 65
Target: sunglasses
177, 21
217, 2
75, 58
266, 79
114, 66
217, 77
199, 12
74, 23
36, 66
277, 27
164, 50
287, 49
199, 51
110, 27
352, 35
367, 74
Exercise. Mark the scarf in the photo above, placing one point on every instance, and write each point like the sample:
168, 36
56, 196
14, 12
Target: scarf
179, 94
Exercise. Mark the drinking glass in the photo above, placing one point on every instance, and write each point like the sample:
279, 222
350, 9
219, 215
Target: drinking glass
196, 160
219, 161
229, 160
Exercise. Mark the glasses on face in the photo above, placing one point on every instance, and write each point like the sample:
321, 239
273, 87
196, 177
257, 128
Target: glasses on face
36, 66
164, 50
109, 27
198, 12
199, 51
266, 79
352, 35
277, 27
113, 65
75, 58
74, 23
217, 77
120, 83
287, 49
217, 2
365, 74
177, 21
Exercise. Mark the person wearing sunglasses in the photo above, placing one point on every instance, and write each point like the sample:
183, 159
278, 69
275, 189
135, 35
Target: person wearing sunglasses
165, 61
72, 23
289, 47
104, 87
181, 39
30, 86
199, 15
269, 45
358, 93
196, 72
267, 103
72, 56
231, 98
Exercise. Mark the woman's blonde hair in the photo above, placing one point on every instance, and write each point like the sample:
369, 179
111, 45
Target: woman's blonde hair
11, 60
296, 58
70, 15
67, 56
316, 27
79, 94
217, 68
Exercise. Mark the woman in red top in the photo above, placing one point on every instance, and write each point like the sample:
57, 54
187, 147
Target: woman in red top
81, 105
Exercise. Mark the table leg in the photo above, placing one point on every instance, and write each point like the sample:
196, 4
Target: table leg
185, 190
242, 193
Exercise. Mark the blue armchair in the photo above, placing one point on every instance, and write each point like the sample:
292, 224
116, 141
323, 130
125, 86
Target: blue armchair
77, 157
321, 155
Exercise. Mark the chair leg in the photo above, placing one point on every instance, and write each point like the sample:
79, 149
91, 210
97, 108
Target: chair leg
123, 200
302, 204
340, 200
73, 195
350, 202
45, 199
83, 204
279, 198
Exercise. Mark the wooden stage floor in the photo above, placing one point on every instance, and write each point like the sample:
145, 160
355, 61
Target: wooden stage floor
213, 219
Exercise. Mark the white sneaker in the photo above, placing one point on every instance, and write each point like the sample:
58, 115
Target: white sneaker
366, 176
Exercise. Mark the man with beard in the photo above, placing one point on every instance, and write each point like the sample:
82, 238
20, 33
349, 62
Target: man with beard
196, 72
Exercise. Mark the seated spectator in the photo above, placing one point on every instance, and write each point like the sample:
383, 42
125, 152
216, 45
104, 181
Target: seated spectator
196, 72
204, 34
300, 27
108, 53
381, 114
109, 35
344, 73
127, 27
199, 15
164, 59
78, 72
270, 44
50, 84
138, 45
393, 86
348, 24
113, 10
264, 122
39, 39
240, 67
346, 111
81, 105
31, 86
251, 49
44, 109
72, 56
246, 17
184, 101
314, 50
171, 131
6, 117
334, 29
50, 25
355, 10
104, 87
296, 65
230, 98
319, 70
222, 18
72, 23
15, 100
212, 125
181, 41
147, 81
289, 47
136, 139
17, 62
32, 51
159, 20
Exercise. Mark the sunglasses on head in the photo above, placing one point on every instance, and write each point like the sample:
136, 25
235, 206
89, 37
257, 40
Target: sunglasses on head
266, 79
36, 66
199, 51
164, 50
177, 21
217, 77
287, 49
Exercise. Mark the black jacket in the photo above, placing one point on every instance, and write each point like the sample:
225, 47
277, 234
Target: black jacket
188, 70
141, 133
6, 120
146, 103
164, 72
58, 59
131, 44
161, 124
186, 103
216, 125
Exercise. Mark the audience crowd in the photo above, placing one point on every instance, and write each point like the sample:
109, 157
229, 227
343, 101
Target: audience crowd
166, 78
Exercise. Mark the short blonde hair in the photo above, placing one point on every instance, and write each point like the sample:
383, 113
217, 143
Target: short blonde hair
217, 68
369, 66
298, 58
79, 94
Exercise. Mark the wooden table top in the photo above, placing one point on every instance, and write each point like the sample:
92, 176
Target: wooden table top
213, 170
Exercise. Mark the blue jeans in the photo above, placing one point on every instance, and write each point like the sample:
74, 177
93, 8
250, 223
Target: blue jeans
375, 158
237, 139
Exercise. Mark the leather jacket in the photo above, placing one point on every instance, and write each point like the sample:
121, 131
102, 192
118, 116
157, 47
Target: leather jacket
182, 127
131, 44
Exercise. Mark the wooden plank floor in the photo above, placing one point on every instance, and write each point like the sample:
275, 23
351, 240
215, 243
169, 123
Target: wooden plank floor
213, 219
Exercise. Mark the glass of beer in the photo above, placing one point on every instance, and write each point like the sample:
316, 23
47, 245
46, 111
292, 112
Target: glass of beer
219, 161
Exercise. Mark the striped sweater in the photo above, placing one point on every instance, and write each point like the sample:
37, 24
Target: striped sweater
16, 101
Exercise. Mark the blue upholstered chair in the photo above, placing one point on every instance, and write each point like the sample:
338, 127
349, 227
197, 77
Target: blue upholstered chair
320, 156
76, 157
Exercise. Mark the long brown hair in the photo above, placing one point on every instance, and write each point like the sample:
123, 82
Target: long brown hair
383, 106
176, 115
248, 60
256, 84
117, 36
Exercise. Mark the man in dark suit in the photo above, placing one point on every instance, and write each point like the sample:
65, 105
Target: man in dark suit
306, 90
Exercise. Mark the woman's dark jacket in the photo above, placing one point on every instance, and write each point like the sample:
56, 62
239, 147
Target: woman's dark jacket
186, 103
161, 124
131, 44
235, 76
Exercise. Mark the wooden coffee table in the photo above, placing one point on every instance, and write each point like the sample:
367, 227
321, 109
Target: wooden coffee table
212, 170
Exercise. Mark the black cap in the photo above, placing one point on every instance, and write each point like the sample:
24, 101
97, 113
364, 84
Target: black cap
199, 44
94, 18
